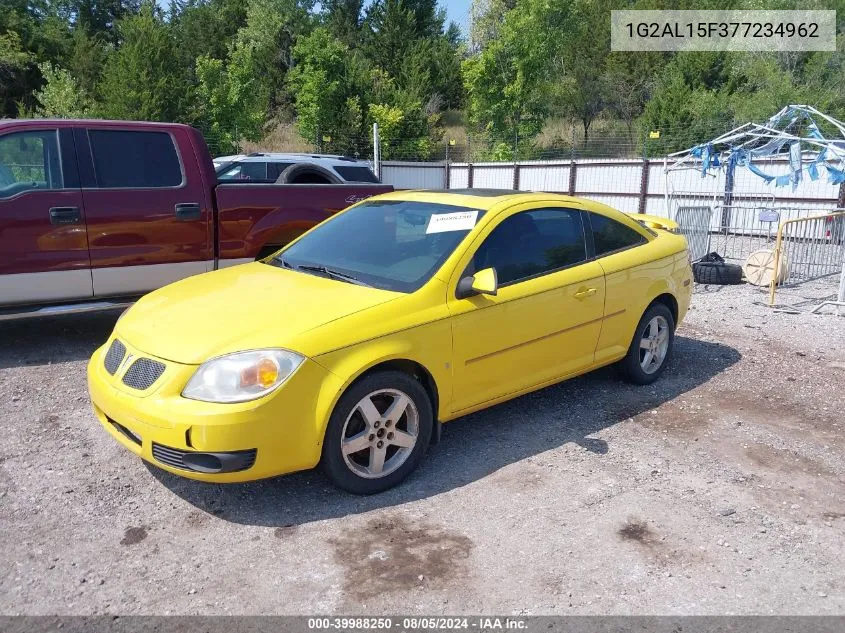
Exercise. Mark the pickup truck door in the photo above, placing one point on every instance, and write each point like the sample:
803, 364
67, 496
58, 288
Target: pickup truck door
43, 243
148, 209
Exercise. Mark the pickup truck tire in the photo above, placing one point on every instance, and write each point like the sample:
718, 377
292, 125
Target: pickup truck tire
719, 273
378, 433
307, 173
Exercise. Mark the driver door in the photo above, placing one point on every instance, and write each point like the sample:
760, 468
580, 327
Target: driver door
544, 322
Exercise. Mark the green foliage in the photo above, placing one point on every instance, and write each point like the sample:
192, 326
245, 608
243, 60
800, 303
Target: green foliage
228, 110
329, 87
61, 96
142, 79
510, 82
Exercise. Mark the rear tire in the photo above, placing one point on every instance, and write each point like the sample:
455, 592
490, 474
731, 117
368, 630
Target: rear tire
378, 433
651, 347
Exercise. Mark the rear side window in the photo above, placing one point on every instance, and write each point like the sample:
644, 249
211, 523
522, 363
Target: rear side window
274, 170
610, 235
29, 161
355, 174
134, 159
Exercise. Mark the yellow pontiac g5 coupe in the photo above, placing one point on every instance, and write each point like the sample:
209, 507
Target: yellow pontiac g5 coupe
352, 344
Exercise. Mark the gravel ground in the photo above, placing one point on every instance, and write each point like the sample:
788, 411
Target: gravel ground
717, 490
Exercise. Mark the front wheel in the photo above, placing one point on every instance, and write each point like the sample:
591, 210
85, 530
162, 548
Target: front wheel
652, 346
377, 433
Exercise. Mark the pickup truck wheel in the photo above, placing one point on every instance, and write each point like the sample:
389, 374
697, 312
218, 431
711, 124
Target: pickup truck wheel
651, 348
378, 433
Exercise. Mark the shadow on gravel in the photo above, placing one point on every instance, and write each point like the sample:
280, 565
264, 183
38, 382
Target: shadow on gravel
472, 447
49, 340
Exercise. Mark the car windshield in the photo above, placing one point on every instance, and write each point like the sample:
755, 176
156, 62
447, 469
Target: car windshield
391, 244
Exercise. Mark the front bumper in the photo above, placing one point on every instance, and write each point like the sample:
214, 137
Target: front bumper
274, 435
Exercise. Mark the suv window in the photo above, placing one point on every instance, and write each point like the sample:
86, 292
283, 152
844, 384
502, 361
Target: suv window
274, 170
29, 161
533, 243
610, 235
252, 171
355, 174
134, 159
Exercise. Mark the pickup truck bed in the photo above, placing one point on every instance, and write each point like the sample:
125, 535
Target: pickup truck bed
96, 213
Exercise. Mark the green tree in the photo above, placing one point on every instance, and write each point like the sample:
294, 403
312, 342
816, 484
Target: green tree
264, 46
143, 79
511, 82
61, 96
330, 84
228, 108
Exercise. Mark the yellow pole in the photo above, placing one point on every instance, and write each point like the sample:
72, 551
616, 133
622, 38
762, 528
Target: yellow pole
776, 272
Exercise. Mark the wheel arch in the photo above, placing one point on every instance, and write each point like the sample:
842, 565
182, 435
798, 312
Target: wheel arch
669, 300
412, 368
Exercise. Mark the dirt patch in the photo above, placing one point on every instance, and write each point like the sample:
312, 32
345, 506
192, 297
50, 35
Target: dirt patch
637, 531
392, 554
785, 461
133, 535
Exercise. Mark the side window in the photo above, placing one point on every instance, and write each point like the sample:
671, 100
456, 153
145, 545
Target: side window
274, 170
355, 173
134, 159
532, 243
29, 161
610, 235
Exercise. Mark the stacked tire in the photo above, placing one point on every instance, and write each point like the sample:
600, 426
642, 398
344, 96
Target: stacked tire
713, 269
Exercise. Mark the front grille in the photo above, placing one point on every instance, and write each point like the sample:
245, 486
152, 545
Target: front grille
143, 373
114, 356
169, 456
174, 457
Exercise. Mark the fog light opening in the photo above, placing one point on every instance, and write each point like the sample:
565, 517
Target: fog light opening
203, 462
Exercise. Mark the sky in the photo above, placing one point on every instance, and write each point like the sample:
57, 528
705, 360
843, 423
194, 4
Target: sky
457, 12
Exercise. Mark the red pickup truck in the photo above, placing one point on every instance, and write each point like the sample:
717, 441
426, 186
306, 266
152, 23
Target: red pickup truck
94, 214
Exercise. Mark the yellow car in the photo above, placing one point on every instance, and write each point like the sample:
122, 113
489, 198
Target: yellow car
352, 344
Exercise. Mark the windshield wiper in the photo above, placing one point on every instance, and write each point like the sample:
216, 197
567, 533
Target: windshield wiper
333, 273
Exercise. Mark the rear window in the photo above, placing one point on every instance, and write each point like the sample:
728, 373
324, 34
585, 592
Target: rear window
355, 174
134, 159
610, 236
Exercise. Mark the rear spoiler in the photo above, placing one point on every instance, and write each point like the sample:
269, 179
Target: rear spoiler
656, 222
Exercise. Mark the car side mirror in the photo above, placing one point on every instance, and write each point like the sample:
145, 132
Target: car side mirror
484, 282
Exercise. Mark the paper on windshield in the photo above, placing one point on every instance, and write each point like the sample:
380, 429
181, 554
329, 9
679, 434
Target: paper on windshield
457, 221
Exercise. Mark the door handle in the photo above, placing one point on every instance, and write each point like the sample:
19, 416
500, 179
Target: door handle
188, 211
583, 293
61, 216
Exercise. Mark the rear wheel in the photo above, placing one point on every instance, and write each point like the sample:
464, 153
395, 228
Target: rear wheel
378, 433
652, 346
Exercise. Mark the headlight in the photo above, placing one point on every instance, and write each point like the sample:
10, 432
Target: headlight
242, 376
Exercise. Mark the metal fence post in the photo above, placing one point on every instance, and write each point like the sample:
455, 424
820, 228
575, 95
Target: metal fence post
447, 176
376, 152
644, 186
469, 163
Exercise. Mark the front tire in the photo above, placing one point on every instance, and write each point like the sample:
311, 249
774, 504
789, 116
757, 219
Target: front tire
378, 433
651, 348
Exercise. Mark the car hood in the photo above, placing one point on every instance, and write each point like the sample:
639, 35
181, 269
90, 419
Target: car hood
239, 308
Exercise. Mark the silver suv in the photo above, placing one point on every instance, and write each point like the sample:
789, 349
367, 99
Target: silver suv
292, 169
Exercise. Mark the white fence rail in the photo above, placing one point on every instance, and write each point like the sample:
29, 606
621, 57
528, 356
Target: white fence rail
631, 185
